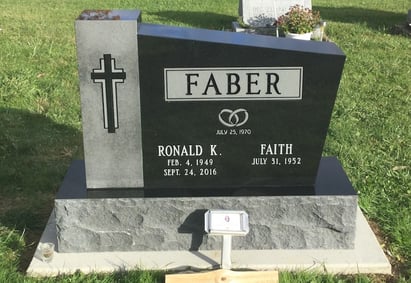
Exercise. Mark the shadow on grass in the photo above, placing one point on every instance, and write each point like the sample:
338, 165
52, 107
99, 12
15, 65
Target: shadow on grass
205, 20
35, 153
374, 19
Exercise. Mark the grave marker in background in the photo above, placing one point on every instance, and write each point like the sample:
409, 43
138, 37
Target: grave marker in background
260, 13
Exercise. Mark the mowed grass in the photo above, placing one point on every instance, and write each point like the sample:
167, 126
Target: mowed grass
370, 129
40, 119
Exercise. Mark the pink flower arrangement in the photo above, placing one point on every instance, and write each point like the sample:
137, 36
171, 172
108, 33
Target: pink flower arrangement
299, 20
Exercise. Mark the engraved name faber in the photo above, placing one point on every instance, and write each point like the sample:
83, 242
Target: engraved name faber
248, 83
254, 84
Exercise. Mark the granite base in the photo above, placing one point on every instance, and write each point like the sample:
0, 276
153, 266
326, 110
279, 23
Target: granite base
325, 220
366, 257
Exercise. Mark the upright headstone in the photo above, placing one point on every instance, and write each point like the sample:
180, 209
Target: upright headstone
260, 13
185, 116
215, 119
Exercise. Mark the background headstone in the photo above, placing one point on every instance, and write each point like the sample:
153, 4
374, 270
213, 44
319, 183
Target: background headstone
260, 13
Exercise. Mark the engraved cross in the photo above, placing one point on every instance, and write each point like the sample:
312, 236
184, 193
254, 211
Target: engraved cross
108, 76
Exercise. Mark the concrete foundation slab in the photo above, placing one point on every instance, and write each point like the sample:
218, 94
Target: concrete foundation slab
366, 257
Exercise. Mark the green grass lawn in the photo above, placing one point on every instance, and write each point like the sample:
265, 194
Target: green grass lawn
40, 121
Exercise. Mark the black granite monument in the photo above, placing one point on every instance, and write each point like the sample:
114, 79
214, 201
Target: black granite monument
178, 120
218, 113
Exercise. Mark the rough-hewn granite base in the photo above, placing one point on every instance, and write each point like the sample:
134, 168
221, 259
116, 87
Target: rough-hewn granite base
323, 221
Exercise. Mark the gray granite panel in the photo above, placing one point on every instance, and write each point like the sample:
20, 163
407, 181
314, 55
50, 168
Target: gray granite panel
112, 159
325, 222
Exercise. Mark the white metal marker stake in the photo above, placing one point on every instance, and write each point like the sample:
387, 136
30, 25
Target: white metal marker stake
226, 252
226, 223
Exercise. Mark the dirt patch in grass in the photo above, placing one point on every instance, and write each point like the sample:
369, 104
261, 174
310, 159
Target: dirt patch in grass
28, 217
402, 29
32, 238
398, 265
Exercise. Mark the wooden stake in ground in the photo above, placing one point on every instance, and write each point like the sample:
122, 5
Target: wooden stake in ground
225, 276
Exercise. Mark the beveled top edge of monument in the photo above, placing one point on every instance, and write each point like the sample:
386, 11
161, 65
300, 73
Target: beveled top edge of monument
110, 15
239, 38
331, 181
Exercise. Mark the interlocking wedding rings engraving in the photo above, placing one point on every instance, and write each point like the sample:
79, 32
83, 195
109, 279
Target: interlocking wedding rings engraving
233, 118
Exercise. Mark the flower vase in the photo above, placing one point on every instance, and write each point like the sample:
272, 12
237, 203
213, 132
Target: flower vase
301, 36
